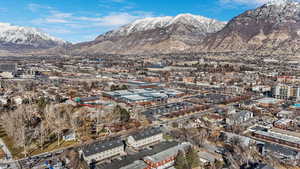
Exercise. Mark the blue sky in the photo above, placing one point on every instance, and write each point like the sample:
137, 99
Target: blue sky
82, 20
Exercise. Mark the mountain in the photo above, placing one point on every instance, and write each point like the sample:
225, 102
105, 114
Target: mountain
273, 27
153, 35
16, 39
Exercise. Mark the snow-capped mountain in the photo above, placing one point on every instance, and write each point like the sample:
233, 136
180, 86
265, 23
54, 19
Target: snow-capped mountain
273, 27
159, 35
15, 38
202, 24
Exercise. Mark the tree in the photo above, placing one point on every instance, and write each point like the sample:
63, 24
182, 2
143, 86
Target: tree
180, 161
192, 158
123, 114
124, 87
41, 102
175, 125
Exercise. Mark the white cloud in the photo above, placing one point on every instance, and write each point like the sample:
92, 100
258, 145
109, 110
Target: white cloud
36, 7
54, 20
57, 30
81, 25
119, 19
54, 17
58, 14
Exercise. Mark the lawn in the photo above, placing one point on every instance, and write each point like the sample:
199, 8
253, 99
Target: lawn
167, 137
15, 151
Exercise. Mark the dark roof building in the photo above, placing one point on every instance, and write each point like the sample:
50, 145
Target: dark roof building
102, 150
145, 137
136, 160
146, 133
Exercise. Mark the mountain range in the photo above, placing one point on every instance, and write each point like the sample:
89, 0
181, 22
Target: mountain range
273, 27
17, 39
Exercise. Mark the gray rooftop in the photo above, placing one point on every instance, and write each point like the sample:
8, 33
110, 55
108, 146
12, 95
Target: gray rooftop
279, 136
280, 149
168, 153
101, 146
129, 159
146, 133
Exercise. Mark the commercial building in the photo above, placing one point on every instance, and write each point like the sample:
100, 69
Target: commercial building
281, 152
284, 91
143, 96
280, 138
8, 67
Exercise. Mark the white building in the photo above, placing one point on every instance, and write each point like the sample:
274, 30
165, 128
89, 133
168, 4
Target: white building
145, 137
102, 150
239, 117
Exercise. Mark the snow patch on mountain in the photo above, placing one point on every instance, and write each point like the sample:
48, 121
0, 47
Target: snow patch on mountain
280, 2
25, 35
205, 25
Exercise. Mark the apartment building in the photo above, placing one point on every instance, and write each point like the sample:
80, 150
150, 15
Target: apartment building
145, 137
284, 91
102, 150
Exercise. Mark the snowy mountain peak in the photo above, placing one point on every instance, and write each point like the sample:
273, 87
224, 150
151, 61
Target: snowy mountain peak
281, 2
10, 34
203, 24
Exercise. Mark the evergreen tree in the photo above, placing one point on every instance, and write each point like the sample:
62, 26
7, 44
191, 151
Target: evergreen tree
180, 161
125, 115
192, 158
122, 114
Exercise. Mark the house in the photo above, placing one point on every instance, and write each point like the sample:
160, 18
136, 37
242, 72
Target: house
145, 137
207, 158
18, 100
7, 75
239, 117
102, 150
283, 123
69, 135
285, 114
3, 100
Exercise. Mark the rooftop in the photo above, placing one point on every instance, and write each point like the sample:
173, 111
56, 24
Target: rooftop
146, 133
279, 136
127, 161
268, 100
167, 153
101, 146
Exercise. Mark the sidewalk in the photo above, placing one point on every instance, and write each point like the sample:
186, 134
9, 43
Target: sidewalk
9, 159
